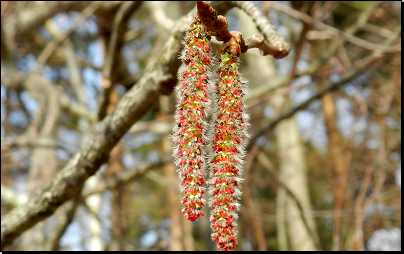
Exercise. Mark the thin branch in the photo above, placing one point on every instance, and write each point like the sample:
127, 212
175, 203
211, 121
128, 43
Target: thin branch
113, 54
159, 15
64, 218
52, 45
358, 208
216, 25
327, 88
24, 140
12, 80
253, 214
159, 77
336, 32
276, 42
124, 177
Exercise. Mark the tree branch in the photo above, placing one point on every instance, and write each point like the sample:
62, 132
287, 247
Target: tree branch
327, 88
276, 42
334, 31
113, 54
70, 179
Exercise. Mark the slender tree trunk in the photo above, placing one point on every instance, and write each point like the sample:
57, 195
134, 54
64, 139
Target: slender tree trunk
293, 175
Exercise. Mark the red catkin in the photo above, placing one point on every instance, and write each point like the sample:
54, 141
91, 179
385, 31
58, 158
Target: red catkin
190, 118
228, 138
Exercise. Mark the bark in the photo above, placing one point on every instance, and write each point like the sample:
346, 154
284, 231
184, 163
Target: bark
160, 76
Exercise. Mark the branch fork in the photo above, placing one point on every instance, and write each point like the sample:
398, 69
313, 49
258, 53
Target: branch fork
216, 25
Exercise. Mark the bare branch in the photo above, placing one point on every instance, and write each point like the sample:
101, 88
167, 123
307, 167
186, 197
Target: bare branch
278, 46
52, 45
157, 78
331, 86
64, 218
336, 32
113, 54
125, 177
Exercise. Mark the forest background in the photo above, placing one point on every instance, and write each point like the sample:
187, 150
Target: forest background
87, 108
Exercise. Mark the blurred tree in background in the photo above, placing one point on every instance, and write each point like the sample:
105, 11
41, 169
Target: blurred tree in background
87, 108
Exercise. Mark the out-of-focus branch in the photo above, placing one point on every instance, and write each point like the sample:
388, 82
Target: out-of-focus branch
334, 31
361, 202
328, 87
252, 212
11, 198
24, 140
125, 177
16, 25
108, 98
12, 79
159, 14
64, 218
359, 209
160, 126
52, 45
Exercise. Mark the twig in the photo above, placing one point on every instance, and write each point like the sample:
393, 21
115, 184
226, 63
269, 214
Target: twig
277, 44
112, 56
341, 187
331, 86
64, 218
252, 212
159, 14
124, 177
216, 25
52, 45
359, 209
336, 32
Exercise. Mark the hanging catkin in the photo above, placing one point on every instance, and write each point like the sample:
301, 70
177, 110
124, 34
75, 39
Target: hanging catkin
190, 118
229, 135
